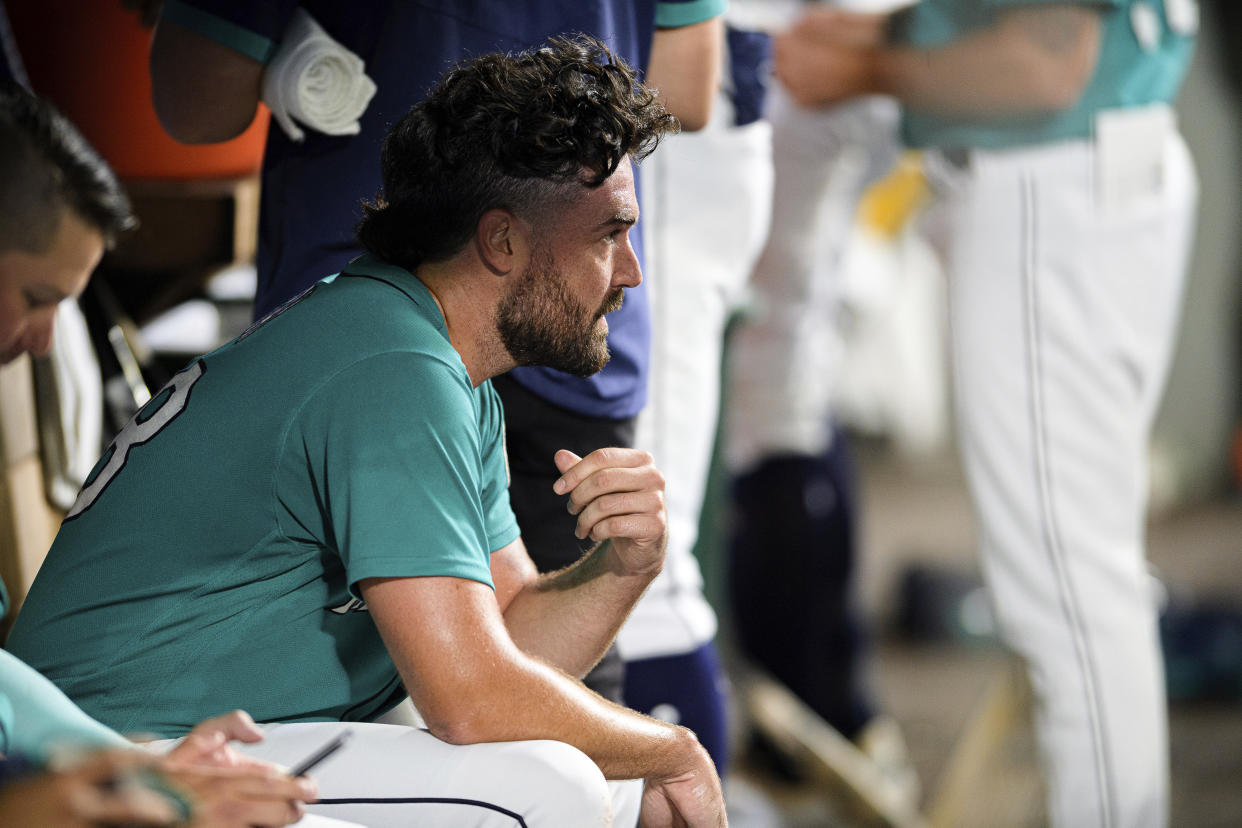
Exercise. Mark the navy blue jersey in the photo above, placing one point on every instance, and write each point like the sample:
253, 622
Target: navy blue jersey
312, 191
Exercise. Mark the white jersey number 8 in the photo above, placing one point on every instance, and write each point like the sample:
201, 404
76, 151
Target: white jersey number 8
138, 430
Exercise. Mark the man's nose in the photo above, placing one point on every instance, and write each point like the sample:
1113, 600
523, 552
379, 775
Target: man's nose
37, 338
628, 273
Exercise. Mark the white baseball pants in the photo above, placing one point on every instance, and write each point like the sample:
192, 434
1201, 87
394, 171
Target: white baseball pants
394, 776
1066, 265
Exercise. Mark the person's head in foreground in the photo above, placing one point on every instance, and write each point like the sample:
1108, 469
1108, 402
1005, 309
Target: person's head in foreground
528, 158
60, 207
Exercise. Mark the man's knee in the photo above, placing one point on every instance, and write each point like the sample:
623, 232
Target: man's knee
559, 785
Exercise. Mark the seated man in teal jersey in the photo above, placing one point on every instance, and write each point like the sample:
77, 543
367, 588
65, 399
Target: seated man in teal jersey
60, 206
312, 521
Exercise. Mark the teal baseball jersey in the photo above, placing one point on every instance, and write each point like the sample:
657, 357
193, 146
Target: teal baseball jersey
1145, 50
212, 559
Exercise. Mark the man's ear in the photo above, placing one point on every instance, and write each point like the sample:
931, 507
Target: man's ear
502, 240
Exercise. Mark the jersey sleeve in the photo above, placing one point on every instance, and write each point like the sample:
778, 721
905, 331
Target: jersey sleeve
502, 523
252, 27
672, 14
42, 718
399, 470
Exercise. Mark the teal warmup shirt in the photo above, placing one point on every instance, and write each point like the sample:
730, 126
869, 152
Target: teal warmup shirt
1145, 50
212, 560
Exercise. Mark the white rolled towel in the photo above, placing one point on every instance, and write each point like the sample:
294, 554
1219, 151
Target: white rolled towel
316, 80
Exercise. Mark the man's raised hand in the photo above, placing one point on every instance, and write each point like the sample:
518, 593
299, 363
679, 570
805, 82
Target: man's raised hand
618, 495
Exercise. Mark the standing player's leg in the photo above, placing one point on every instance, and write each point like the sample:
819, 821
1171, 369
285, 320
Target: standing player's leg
792, 565
1062, 322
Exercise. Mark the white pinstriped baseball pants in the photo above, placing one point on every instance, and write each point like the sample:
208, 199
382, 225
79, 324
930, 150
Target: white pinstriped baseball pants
1064, 315
395, 776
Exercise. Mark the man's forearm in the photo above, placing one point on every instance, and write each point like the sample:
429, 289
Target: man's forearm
568, 618
1031, 62
535, 701
472, 684
521, 698
685, 67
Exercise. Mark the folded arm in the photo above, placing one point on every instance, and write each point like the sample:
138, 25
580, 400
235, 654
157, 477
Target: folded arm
484, 666
473, 658
569, 617
1032, 59
472, 683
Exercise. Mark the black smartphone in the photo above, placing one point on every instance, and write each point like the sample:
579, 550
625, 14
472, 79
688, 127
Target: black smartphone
304, 767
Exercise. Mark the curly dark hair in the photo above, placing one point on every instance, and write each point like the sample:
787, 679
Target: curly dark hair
511, 132
45, 166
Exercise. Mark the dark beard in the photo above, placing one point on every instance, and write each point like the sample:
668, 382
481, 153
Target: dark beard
540, 322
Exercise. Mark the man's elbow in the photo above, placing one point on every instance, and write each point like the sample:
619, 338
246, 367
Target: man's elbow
691, 105
462, 707
460, 725
186, 126
192, 115
456, 734
693, 119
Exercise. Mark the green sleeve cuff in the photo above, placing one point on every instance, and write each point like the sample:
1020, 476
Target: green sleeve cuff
675, 15
220, 30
